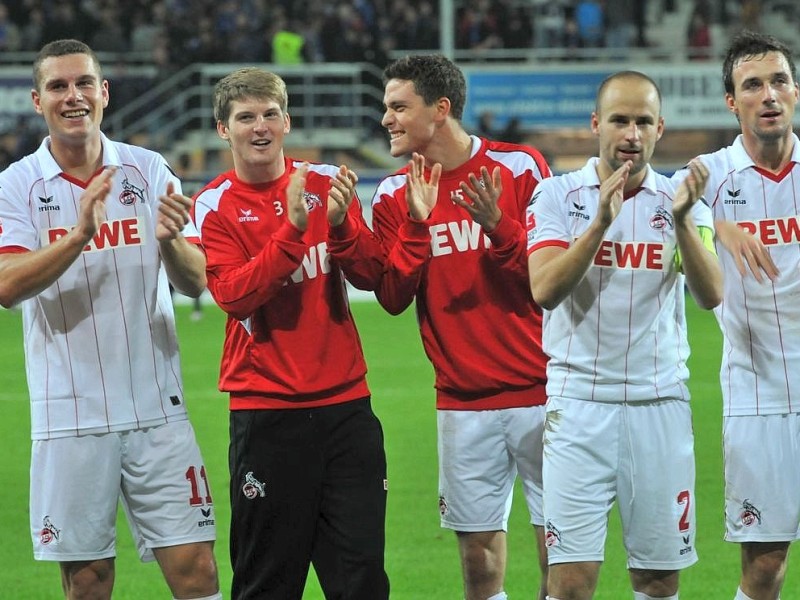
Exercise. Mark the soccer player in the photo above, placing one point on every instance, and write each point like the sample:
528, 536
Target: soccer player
753, 190
307, 464
610, 246
92, 230
452, 226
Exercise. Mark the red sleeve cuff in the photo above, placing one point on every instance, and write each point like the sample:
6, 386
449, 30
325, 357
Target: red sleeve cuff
346, 230
504, 231
415, 230
289, 233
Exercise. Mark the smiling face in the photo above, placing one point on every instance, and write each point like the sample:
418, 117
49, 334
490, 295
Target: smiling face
628, 124
410, 122
764, 97
71, 96
255, 130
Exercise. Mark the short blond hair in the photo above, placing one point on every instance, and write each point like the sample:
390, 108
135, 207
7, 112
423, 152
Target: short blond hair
248, 83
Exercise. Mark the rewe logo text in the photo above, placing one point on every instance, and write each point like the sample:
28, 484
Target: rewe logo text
110, 235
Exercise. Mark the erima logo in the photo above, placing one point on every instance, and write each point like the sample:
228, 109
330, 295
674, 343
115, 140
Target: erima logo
46, 207
733, 197
687, 547
247, 216
207, 520
578, 212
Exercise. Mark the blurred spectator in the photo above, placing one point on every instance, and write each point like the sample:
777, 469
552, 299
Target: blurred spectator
338, 39
549, 19
477, 26
750, 15
27, 137
287, 45
413, 26
33, 31
572, 37
146, 28
9, 32
62, 21
244, 44
107, 35
225, 18
698, 35
640, 20
486, 125
590, 20
513, 132
516, 27
620, 27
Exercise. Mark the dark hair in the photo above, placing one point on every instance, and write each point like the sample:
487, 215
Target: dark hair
434, 77
62, 48
624, 75
749, 44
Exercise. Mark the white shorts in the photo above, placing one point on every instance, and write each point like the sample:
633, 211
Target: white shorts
762, 478
77, 482
480, 455
639, 454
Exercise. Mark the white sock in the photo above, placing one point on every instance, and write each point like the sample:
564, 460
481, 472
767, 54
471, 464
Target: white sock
498, 596
642, 596
740, 595
217, 596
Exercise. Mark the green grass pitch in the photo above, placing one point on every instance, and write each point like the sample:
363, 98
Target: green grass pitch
421, 558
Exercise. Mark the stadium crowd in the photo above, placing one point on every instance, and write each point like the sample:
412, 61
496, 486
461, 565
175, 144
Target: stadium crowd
317, 31
169, 34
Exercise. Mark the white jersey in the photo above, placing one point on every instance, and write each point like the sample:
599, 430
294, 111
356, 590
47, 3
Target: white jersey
100, 346
760, 322
620, 336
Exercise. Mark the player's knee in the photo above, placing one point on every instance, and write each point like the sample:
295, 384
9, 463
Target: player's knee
190, 570
572, 581
87, 580
655, 583
764, 564
481, 563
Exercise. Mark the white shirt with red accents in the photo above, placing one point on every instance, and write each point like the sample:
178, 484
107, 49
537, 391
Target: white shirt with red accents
101, 351
621, 334
760, 322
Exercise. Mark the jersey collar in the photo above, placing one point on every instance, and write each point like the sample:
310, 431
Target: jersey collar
741, 159
50, 168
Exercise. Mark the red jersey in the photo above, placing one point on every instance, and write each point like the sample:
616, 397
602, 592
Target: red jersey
480, 326
290, 339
